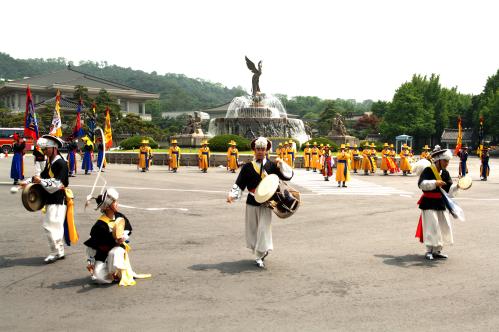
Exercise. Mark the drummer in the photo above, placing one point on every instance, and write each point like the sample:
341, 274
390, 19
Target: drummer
258, 217
54, 178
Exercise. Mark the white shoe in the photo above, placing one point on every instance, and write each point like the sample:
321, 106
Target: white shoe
429, 256
259, 263
52, 258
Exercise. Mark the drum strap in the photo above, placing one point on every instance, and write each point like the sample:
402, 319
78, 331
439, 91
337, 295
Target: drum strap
435, 172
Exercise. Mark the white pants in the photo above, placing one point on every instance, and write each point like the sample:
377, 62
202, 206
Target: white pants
115, 261
39, 166
258, 229
53, 224
437, 229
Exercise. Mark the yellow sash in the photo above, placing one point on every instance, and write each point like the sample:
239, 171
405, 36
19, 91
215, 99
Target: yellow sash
435, 172
258, 169
70, 216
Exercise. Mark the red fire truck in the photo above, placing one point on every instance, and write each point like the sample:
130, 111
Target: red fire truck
7, 139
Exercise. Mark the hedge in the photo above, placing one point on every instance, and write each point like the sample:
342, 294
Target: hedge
220, 143
134, 143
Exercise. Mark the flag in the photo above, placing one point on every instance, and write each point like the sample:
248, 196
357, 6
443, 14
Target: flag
107, 130
91, 123
480, 138
56, 127
78, 131
30, 122
459, 141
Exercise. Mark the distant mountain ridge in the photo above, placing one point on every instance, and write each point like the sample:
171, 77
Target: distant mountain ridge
178, 92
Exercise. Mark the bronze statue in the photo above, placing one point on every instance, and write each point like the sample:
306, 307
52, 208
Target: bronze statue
338, 127
255, 81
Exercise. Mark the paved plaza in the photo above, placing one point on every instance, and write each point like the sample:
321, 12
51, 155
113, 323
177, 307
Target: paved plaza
347, 260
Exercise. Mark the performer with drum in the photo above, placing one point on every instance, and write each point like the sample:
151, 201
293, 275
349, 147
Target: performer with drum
54, 179
434, 227
107, 249
385, 154
342, 170
355, 157
405, 166
258, 217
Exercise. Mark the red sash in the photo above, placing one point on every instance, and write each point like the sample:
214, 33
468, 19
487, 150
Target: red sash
419, 229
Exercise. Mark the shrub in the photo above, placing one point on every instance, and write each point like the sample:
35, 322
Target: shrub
134, 143
220, 143
321, 140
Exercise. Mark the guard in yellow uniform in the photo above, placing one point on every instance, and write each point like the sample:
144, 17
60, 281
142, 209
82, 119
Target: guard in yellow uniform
315, 157
278, 151
291, 152
321, 153
307, 156
374, 158
145, 155
174, 154
405, 166
232, 157
385, 154
204, 156
367, 165
355, 158
426, 152
284, 152
349, 161
342, 171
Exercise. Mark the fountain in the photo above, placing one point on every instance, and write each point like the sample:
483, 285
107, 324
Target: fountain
258, 115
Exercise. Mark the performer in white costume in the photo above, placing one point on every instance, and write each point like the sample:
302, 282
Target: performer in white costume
258, 217
434, 228
54, 179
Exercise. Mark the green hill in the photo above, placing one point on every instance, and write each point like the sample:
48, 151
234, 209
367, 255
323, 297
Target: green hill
178, 92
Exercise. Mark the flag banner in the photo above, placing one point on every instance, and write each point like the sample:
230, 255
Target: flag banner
107, 130
459, 141
91, 123
480, 138
78, 130
30, 122
56, 127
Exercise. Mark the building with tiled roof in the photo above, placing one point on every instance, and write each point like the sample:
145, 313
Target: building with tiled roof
449, 137
43, 87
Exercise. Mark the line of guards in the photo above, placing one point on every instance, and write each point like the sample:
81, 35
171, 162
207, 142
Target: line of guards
319, 158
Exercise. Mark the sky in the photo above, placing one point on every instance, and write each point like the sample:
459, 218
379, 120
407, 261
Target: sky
356, 49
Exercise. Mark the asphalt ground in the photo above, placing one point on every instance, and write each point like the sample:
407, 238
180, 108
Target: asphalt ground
342, 262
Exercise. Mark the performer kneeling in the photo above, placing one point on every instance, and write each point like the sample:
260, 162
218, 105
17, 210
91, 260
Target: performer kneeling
258, 217
434, 228
107, 248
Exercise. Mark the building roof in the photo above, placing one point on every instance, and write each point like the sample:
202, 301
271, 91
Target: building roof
67, 79
449, 135
66, 104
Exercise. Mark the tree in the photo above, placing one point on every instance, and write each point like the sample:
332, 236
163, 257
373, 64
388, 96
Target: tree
379, 108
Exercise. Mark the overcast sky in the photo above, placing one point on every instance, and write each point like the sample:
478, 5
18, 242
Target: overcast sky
332, 49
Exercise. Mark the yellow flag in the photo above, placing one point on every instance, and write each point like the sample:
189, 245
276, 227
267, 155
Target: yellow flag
56, 127
107, 130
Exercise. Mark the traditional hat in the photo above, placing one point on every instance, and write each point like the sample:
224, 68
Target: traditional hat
107, 198
355, 146
441, 154
373, 145
366, 145
307, 144
291, 141
342, 146
426, 147
49, 141
232, 142
406, 147
315, 143
347, 145
205, 142
327, 146
385, 145
144, 141
261, 142
391, 145
174, 141
322, 145
280, 144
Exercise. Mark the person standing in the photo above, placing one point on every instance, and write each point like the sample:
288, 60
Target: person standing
385, 154
367, 164
72, 148
101, 161
174, 156
342, 171
204, 156
88, 153
307, 156
374, 158
426, 152
327, 162
17, 166
405, 166
434, 227
258, 217
463, 158
40, 159
232, 157
54, 179
291, 152
315, 157
356, 159
484, 167
145, 155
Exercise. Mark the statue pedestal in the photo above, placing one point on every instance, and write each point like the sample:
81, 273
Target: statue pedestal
343, 139
190, 140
